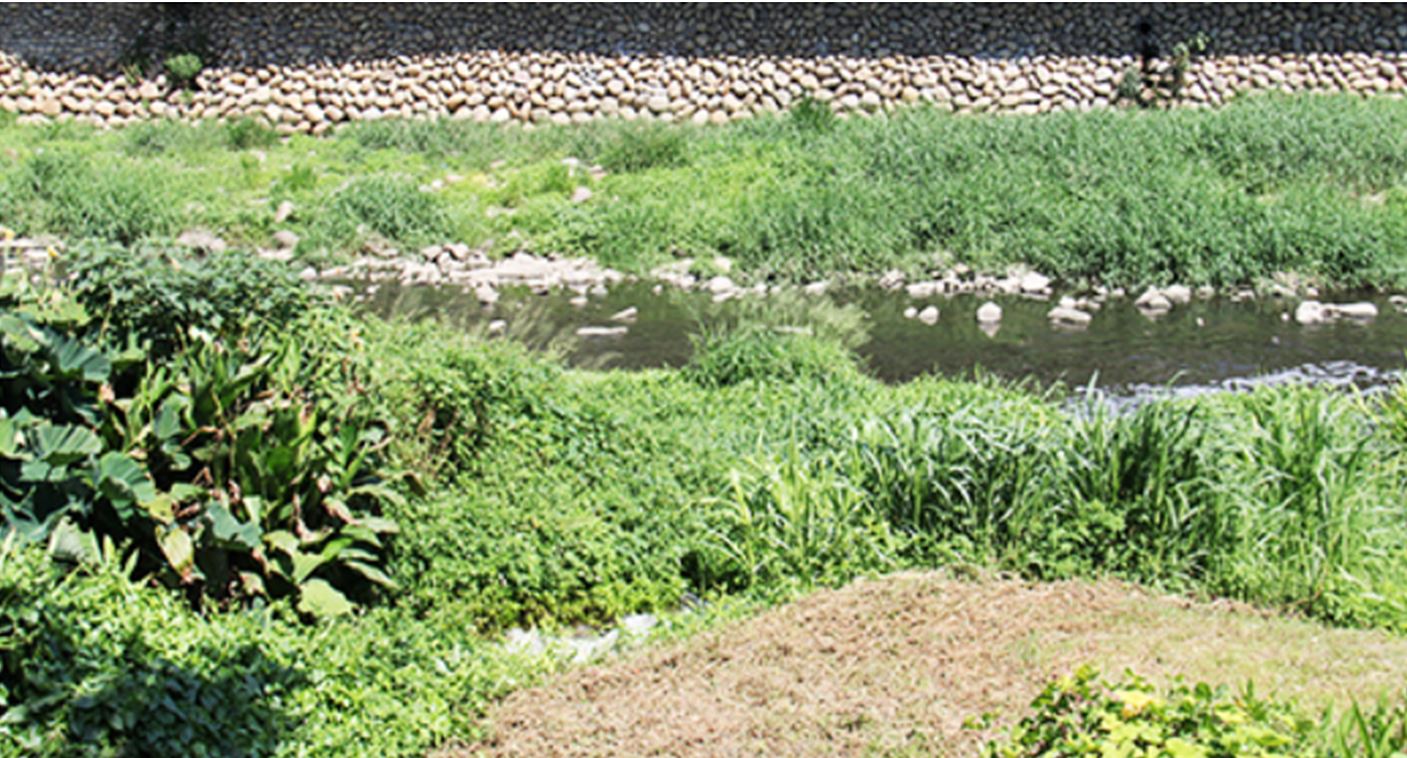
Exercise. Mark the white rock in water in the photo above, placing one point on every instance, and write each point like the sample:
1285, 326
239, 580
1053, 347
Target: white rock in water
1034, 283
1153, 300
497, 326
629, 314
1069, 316
720, 284
989, 313
579, 301
892, 279
1309, 312
910, 312
1353, 310
601, 331
486, 295
929, 315
922, 289
1178, 294
816, 288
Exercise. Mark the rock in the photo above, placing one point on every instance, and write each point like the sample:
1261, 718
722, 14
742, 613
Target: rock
1069, 316
816, 288
308, 274
581, 195
1153, 300
891, 280
1309, 312
910, 312
579, 301
485, 294
200, 239
629, 314
1033, 283
601, 331
720, 284
285, 239
989, 313
1178, 294
723, 264
498, 326
929, 315
1352, 310
283, 212
922, 289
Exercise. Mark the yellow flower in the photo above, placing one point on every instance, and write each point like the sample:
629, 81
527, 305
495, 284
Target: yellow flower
7, 233
52, 252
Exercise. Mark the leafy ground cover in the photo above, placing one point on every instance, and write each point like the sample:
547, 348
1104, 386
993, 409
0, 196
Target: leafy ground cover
1313, 184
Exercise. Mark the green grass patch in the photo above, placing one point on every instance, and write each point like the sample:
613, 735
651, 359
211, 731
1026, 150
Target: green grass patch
1308, 183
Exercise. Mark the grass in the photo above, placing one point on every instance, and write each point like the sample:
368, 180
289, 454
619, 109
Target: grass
1313, 184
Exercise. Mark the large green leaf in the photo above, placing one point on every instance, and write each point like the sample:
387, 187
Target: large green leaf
230, 530
74, 359
123, 481
318, 598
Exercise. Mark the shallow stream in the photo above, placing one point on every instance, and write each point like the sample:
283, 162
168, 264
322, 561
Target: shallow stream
1202, 346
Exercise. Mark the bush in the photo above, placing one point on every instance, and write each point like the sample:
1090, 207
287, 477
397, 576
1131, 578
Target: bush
159, 295
1084, 715
92, 664
759, 353
184, 68
224, 467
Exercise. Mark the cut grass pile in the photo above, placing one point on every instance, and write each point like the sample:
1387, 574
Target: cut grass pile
897, 666
1314, 184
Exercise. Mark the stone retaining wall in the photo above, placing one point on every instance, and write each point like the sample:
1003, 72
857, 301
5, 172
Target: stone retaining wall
307, 67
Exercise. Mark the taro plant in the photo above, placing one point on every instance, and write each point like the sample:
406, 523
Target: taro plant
218, 465
263, 492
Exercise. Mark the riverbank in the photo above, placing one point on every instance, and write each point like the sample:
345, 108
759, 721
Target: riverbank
1309, 188
481, 487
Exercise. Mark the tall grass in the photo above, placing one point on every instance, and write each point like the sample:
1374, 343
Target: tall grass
1316, 184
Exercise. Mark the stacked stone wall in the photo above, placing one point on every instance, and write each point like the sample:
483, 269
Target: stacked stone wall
308, 67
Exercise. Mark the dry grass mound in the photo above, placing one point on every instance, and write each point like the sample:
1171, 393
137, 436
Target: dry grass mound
895, 666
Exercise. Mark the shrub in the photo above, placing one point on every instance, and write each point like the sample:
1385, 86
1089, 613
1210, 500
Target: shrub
1085, 715
184, 68
223, 467
758, 353
158, 295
